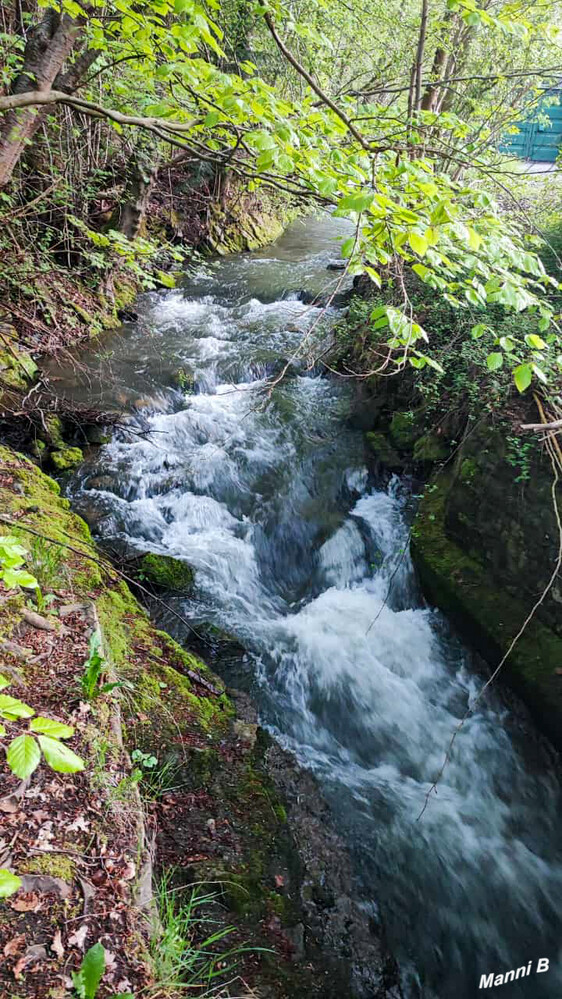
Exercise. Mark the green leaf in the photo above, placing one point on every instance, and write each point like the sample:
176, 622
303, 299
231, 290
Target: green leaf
522, 376
59, 757
421, 270
474, 239
8, 543
2, 730
357, 202
168, 280
347, 246
23, 756
9, 883
374, 275
535, 341
494, 361
418, 243
478, 330
540, 374
47, 726
19, 577
4, 682
87, 980
14, 708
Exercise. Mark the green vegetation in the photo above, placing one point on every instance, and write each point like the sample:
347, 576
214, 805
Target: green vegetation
187, 952
166, 572
398, 136
41, 737
460, 582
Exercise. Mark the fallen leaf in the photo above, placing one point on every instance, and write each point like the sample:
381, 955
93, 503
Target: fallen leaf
20, 965
79, 824
25, 903
13, 945
110, 961
56, 945
129, 871
34, 953
40, 815
78, 939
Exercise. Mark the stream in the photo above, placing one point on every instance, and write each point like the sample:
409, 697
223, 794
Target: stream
302, 556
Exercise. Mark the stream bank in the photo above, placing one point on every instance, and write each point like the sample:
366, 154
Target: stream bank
486, 537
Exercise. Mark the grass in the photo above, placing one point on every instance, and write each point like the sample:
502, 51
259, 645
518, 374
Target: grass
189, 952
48, 563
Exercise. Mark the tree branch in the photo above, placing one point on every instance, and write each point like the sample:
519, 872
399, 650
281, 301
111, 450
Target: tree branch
314, 85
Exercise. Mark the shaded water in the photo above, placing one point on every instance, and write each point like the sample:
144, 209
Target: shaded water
294, 546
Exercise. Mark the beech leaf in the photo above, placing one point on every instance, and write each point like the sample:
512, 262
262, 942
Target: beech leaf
48, 726
60, 758
9, 883
23, 756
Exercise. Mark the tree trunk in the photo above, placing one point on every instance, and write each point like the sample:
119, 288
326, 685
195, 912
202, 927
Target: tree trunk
142, 174
48, 46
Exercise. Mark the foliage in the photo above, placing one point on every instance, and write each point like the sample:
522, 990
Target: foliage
87, 980
42, 737
145, 760
12, 557
397, 136
185, 953
9, 883
94, 668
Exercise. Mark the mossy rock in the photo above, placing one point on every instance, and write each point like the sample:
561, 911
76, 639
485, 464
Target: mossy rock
404, 430
166, 572
37, 502
55, 865
486, 613
17, 369
384, 451
66, 458
53, 433
430, 448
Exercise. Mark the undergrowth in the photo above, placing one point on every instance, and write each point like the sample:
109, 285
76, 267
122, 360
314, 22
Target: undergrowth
190, 952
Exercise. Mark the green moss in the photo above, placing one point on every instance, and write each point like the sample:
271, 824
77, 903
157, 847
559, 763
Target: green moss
430, 448
383, 450
53, 431
249, 221
37, 505
56, 865
461, 586
126, 290
66, 458
166, 572
404, 430
161, 692
468, 470
17, 369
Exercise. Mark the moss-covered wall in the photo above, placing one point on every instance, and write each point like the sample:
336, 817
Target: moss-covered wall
245, 220
484, 547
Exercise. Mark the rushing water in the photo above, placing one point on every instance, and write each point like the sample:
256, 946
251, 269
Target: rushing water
267, 495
